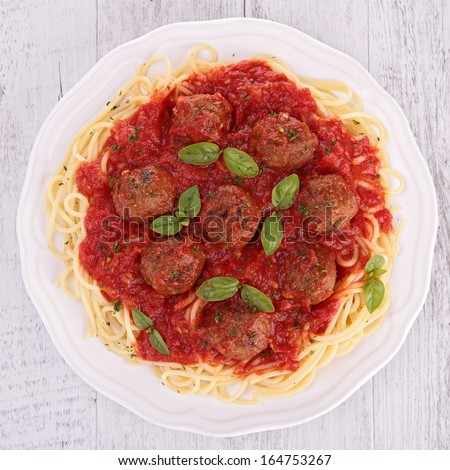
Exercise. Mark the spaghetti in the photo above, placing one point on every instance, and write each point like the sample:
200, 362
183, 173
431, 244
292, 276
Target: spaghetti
344, 317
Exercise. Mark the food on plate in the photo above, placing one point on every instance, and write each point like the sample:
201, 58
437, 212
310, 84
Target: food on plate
228, 223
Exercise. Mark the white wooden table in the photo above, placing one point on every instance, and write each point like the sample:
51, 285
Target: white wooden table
46, 46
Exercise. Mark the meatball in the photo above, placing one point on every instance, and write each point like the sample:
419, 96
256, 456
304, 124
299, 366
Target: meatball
307, 272
235, 332
328, 202
282, 142
200, 118
230, 216
148, 191
172, 266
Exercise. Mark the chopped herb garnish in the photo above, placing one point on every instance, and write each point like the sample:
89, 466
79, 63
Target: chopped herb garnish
303, 210
117, 305
297, 326
115, 148
111, 180
292, 135
107, 104
218, 316
117, 247
245, 96
328, 150
356, 123
134, 136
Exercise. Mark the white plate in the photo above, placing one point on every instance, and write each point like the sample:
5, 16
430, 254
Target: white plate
137, 388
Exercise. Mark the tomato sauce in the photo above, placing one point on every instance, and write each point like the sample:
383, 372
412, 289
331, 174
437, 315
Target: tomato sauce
254, 90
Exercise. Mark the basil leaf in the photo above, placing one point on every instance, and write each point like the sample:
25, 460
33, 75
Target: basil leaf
166, 225
140, 319
379, 272
240, 163
256, 299
284, 193
374, 263
271, 234
158, 343
373, 291
189, 203
202, 153
218, 288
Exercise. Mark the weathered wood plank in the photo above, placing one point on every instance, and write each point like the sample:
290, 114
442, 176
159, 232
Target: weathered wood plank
45, 47
409, 55
118, 22
340, 24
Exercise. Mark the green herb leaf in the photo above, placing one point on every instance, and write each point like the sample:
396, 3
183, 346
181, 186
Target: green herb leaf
373, 291
218, 316
166, 225
134, 136
202, 153
374, 263
271, 234
303, 209
158, 343
140, 319
256, 299
189, 203
379, 272
285, 192
117, 305
240, 163
218, 288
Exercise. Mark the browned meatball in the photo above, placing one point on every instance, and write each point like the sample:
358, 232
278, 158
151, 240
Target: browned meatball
172, 266
202, 118
234, 332
282, 142
327, 202
307, 272
230, 216
148, 191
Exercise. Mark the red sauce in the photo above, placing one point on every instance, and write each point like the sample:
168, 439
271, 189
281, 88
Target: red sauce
253, 90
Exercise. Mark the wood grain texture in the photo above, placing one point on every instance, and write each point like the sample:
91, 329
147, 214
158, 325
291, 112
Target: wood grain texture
411, 395
43, 404
46, 46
